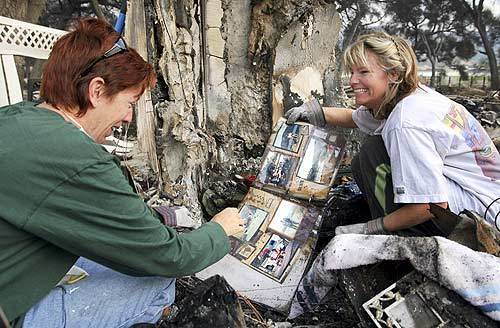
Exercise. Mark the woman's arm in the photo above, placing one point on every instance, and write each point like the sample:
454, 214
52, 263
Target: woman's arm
409, 216
311, 111
339, 117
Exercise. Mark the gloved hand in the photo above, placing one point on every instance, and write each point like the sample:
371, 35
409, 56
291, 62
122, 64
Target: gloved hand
373, 227
175, 216
310, 111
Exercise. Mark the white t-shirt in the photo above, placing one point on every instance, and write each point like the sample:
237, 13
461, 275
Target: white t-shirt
439, 153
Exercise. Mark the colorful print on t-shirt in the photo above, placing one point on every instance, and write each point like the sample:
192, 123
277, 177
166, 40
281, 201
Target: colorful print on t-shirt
485, 153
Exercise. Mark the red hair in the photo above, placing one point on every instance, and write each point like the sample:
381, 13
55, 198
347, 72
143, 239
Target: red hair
64, 87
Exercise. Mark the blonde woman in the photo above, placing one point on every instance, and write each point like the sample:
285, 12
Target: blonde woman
422, 147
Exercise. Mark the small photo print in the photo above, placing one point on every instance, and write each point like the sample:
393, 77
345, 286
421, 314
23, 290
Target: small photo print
256, 237
320, 133
245, 251
319, 162
289, 137
235, 244
272, 258
253, 218
277, 169
286, 220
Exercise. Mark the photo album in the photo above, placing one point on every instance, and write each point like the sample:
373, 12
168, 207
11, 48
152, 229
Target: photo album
281, 212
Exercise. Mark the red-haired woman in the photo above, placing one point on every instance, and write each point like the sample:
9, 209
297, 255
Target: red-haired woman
65, 202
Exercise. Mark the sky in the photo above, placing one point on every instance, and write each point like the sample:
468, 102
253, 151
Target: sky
494, 5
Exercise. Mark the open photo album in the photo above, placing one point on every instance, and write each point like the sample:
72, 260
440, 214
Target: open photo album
301, 161
277, 230
282, 214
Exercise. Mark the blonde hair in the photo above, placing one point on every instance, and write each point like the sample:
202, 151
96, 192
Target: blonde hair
394, 55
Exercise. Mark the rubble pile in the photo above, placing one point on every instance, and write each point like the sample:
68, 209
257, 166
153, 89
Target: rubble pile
486, 110
227, 187
212, 303
335, 311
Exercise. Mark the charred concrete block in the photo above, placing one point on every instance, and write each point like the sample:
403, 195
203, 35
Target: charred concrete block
362, 283
416, 301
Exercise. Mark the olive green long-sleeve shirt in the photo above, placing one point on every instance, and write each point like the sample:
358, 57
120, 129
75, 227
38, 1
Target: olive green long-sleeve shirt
63, 196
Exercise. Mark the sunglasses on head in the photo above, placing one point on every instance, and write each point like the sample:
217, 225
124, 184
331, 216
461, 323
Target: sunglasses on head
119, 47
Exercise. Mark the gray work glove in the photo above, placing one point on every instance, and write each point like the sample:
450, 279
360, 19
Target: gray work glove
175, 216
373, 227
309, 111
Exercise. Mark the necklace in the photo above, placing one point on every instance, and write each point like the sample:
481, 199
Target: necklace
72, 120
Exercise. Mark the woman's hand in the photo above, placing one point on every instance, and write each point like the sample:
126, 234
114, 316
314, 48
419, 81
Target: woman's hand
313, 113
372, 227
309, 111
230, 221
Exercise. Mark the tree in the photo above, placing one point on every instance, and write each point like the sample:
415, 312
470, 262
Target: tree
59, 13
356, 15
28, 11
481, 19
351, 12
435, 27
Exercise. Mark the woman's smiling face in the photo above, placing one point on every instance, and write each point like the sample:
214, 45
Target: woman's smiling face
110, 112
369, 83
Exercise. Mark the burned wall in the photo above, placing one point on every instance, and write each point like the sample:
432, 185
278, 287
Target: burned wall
216, 60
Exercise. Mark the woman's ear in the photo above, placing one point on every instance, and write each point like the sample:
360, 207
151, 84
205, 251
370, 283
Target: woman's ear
96, 91
394, 77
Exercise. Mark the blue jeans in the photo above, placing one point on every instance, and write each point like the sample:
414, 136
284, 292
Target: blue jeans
105, 298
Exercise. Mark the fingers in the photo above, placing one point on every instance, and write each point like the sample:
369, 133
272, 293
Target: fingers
339, 230
289, 116
294, 115
288, 112
359, 228
240, 224
317, 116
230, 221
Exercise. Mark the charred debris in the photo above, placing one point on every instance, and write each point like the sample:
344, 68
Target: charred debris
214, 303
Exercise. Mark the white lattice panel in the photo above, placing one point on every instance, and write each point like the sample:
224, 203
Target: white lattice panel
25, 39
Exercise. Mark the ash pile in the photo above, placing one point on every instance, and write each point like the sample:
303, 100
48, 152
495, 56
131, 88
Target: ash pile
362, 297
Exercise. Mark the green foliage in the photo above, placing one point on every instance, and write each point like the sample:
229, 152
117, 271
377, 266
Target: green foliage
487, 27
59, 13
492, 23
437, 29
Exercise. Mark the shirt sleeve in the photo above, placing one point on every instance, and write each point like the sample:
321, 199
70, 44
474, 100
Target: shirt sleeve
366, 122
416, 166
95, 214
